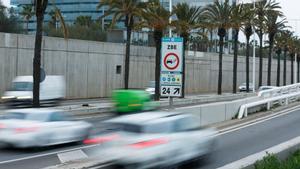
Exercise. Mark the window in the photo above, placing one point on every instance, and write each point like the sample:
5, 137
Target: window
22, 86
57, 116
119, 69
186, 124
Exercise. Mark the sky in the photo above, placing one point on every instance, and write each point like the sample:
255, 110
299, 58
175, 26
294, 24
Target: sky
289, 7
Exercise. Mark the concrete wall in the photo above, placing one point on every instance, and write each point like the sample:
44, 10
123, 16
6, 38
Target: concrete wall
90, 67
208, 114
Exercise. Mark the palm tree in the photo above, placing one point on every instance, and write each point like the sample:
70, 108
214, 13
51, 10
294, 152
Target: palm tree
286, 35
273, 26
40, 8
128, 11
219, 15
187, 17
292, 46
262, 8
248, 31
237, 18
27, 13
280, 44
156, 17
84, 21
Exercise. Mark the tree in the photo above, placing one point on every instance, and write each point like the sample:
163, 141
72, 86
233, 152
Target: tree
219, 15
128, 11
27, 13
187, 17
280, 45
40, 8
9, 21
273, 26
286, 35
237, 18
248, 31
156, 17
292, 47
84, 21
262, 8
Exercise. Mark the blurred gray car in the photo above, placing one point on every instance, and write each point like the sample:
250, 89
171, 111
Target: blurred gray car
156, 139
23, 128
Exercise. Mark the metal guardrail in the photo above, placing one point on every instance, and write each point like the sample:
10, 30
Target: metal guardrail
280, 91
278, 96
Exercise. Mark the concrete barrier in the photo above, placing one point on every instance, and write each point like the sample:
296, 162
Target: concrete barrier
216, 112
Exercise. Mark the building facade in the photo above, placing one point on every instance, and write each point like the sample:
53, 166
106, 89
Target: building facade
70, 10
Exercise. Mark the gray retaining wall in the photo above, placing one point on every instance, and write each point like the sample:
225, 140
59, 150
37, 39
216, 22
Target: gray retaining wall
90, 67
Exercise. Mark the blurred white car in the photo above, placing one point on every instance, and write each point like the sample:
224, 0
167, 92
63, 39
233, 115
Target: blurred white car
155, 139
263, 88
243, 87
23, 128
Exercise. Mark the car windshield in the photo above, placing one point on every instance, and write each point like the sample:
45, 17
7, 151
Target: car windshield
22, 86
26, 116
135, 128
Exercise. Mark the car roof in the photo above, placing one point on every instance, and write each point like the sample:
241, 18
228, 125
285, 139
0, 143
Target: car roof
32, 110
141, 118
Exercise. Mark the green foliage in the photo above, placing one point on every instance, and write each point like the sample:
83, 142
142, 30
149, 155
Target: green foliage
79, 31
272, 162
9, 22
268, 162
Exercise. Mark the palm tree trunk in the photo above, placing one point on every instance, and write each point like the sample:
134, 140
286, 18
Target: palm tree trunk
284, 67
157, 37
292, 68
235, 60
247, 63
270, 62
220, 65
27, 22
40, 11
298, 71
260, 59
127, 54
185, 40
278, 67
211, 40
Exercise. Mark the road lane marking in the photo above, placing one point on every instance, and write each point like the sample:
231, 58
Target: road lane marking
46, 154
251, 159
71, 155
257, 121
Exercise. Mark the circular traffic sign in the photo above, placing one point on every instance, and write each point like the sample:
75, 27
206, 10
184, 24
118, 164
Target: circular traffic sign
171, 61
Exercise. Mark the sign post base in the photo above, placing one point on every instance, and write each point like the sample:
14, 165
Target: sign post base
170, 103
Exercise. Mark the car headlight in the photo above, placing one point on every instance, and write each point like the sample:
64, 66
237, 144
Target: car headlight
7, 97
24, 97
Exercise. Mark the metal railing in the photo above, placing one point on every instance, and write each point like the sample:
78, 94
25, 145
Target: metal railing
278, 96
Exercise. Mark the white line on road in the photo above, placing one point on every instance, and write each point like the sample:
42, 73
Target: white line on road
46, 154
71, 155
247, 161
257, 121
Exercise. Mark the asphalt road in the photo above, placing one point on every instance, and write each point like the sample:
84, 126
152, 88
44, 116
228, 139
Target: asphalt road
231, 146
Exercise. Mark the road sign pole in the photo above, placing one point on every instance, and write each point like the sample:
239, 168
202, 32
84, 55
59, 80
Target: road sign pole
170, 35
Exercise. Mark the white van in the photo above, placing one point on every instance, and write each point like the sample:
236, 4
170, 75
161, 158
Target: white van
52, 90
